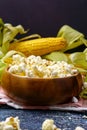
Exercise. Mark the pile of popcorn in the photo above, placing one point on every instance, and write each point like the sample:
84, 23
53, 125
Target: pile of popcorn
35, 66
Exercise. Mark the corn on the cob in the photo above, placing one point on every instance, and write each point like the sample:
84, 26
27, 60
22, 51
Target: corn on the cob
39, 46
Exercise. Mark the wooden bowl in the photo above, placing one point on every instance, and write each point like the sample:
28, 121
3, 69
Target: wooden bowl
41, 91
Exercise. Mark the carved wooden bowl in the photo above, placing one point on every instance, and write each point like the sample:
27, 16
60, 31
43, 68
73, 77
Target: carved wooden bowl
41, 91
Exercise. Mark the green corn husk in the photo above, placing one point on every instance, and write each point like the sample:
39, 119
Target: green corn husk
74, 38
56, 56
79, 59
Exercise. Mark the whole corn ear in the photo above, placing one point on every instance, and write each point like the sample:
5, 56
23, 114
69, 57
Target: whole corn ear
39, 46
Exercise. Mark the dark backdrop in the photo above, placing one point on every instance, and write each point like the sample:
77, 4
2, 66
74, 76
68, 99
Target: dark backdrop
45, 16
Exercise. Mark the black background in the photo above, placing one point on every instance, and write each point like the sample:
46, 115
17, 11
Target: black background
45, 16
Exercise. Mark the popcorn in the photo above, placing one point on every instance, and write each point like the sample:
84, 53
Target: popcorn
35, 66
79, 128
48, 124
11, 123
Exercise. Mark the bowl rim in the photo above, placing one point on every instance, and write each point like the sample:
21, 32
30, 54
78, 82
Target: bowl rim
40, 78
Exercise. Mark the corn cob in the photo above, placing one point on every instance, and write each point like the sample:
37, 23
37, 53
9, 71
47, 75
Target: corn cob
39, 46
